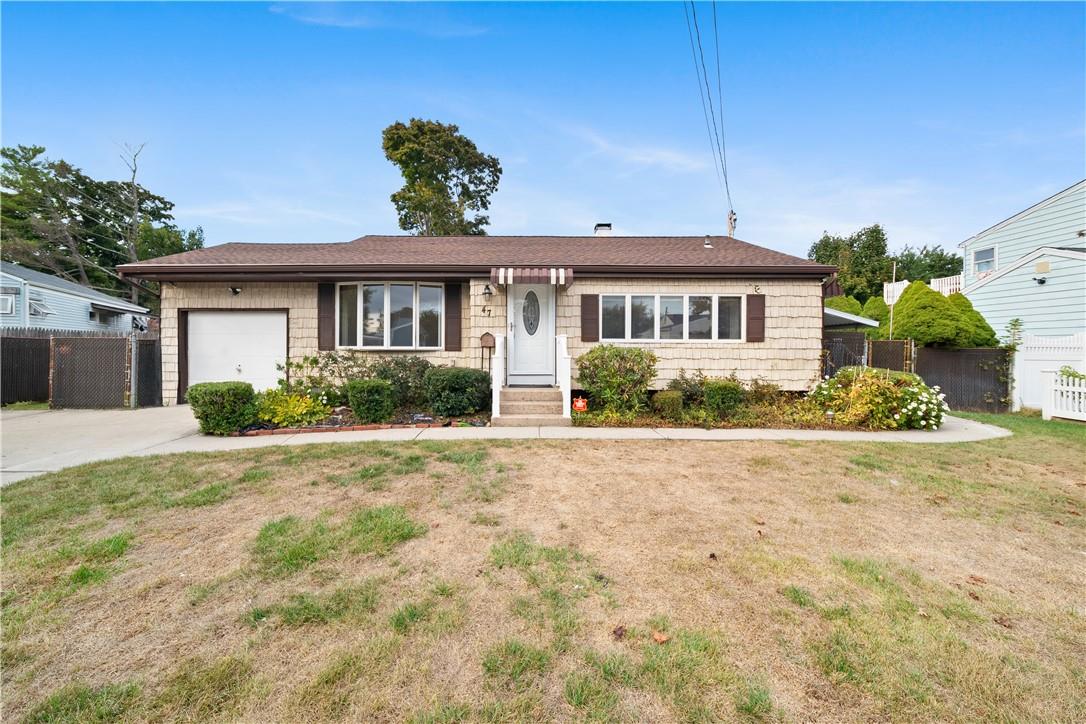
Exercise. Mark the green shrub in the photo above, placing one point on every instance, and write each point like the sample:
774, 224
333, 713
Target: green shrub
880, 399
668, 404
407, 376
692, 387
975, 331
875, 308
290, 409
849, 305
457, 390
371, 400
928, 318
763, 392
222, 407
617, 378
723, 397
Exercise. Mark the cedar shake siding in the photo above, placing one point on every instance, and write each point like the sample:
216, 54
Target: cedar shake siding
789, 356
777, 297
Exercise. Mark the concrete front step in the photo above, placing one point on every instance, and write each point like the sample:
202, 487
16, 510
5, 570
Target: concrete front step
530, 421
531, 407
531, 394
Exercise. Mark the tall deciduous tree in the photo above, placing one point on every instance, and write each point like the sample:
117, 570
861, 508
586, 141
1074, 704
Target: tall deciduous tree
447, 179
59, 220
861, 260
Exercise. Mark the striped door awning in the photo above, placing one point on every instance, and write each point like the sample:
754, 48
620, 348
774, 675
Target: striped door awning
560, 276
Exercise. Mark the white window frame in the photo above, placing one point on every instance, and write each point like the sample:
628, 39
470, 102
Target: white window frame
38, 308
685, 296
7, 304
387, 346
995, 260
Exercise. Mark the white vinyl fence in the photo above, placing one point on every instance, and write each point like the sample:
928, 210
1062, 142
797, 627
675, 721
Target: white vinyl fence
1064, 397
1037, 354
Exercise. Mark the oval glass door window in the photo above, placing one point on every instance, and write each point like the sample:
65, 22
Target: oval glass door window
531, 312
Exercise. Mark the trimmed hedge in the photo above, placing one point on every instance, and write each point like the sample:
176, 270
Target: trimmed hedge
723, 397
617, 378
222, 407
457, 390
407, 375
668, 404
371, 400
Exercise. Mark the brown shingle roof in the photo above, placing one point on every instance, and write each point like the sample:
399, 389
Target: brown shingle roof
480, 253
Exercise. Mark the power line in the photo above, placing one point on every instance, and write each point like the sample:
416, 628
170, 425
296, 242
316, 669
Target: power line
708, 89
720, 99
701, 95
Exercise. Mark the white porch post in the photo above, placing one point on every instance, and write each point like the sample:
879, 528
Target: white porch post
563, 371
497, 375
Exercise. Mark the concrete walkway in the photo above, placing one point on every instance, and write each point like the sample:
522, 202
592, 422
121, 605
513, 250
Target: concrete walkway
38, 441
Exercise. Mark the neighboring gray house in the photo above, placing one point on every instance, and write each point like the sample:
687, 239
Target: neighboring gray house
1032, 267
31, 298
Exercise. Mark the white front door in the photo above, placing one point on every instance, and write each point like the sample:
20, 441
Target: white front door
531, 334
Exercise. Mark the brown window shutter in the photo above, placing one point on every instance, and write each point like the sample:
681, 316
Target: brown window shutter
453, 332
326, 316
590, 317
755, 317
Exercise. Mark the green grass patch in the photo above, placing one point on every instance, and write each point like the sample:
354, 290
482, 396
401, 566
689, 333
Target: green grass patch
512, 663
870, 461
86, 575
847, 498
16, 406
443, 714
254, 475
329, 694
85, 704
108, 549
289, 544
407, 616
379, 530
590, 695
754, 700
207, 495
799, 596
201, 690
350, 602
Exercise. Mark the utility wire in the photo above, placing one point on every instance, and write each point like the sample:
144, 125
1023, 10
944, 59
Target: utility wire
708, 89
720, 100
701, 94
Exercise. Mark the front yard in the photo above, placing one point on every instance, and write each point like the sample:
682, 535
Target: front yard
564, 580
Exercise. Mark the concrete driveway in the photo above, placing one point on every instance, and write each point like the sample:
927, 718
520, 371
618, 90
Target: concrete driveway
40, 441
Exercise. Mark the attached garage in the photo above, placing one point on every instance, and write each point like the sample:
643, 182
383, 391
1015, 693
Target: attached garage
245, 346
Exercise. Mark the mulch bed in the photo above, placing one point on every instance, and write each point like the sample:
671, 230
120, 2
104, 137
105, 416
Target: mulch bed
343, 420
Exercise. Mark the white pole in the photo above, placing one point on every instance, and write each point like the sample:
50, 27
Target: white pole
893, 286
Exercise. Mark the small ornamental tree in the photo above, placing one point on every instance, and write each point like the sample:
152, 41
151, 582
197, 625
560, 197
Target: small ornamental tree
976, 332
849, 305
927, 317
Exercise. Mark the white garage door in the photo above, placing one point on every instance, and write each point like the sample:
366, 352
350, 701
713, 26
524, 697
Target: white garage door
244, 346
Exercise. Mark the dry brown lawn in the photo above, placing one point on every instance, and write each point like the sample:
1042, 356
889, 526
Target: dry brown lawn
568, 580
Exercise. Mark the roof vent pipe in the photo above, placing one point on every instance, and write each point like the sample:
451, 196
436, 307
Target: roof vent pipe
708, 242
602, 230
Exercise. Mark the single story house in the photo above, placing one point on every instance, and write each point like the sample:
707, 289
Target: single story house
1032, 266
30, 298
511, 304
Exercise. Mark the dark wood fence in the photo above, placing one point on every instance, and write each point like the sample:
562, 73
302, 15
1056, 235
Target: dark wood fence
148, 373
24, 369
971, 379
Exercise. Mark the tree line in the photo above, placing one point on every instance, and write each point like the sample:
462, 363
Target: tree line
56, 219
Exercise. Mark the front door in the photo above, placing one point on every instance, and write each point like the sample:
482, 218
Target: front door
531, 334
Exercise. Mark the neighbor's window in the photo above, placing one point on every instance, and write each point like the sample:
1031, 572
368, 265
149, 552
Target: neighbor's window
402, 315
983, 260
7, 304
663, 317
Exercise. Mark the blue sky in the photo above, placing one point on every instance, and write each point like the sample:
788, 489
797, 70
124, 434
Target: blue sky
263, 121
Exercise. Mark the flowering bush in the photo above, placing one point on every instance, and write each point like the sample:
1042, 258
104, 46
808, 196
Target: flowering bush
880, 400
290, 409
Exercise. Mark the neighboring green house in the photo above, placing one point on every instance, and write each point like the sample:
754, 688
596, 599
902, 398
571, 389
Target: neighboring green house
1032, 267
